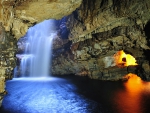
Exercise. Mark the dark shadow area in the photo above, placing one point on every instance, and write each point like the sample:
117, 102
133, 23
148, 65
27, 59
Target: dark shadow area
62, 27
146, 101
147, 33
102, 92
2, 110
146, 29
113, 96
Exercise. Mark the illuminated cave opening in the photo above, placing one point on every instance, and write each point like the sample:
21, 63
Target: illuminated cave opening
35, 48
122, 59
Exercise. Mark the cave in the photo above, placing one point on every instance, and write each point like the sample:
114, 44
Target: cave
99, 59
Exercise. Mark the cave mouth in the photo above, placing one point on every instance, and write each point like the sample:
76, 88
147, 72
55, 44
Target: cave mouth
122, 59
35, 50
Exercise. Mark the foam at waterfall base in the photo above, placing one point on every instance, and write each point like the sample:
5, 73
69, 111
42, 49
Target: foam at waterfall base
37, 78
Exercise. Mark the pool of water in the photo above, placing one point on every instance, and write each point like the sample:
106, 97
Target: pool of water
76, 95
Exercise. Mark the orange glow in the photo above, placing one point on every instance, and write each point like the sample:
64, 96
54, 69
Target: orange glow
130, 99
134, 83
122, 59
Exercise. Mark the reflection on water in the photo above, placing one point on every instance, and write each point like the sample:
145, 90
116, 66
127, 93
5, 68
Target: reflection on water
72, 94
132, 98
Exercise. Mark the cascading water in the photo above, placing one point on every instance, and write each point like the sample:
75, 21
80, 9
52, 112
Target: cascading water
36, 59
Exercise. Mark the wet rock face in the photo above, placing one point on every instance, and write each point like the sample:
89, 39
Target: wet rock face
100, 28
7, 59
18, 15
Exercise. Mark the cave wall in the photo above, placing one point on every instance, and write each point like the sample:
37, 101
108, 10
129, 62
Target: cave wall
100, 28
7, 58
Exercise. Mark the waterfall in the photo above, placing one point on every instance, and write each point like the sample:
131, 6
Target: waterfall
36, 59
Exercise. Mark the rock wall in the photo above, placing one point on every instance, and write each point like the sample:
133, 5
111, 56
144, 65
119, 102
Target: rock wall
7, 58
18, 15
100, 28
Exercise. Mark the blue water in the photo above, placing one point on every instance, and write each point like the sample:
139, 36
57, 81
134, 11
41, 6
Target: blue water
45, 95
76, 95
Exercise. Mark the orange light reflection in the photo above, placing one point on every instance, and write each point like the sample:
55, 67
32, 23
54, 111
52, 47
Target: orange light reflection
130, 99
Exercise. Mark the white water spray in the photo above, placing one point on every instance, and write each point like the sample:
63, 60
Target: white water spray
36, 60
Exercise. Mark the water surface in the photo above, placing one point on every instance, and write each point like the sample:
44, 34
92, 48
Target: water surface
76, 95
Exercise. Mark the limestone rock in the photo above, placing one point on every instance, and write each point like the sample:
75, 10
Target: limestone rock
19, 15
100, 28
146, 70
7, 59
105, 16
2, 84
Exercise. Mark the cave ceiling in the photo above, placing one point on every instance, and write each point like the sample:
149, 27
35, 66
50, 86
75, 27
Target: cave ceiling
18, 15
